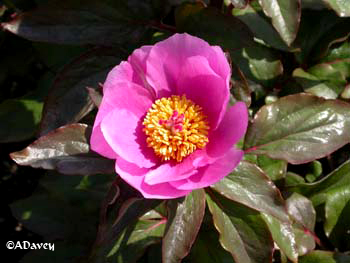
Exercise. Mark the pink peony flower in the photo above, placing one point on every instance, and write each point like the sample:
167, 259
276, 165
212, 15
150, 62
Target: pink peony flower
165, 118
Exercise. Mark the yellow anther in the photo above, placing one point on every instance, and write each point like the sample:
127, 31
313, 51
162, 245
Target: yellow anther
175, 127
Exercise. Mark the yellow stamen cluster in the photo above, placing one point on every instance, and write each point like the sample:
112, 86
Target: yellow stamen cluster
175, 127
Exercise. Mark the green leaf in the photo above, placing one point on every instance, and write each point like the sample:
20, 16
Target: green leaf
69, 88
334, 181
337, 210
66, 150
275, 169
313, 85
19, 119
243, 233
211, 25
261, 28
237, 3
319, 30
134, 240
299, 128
340, 6
248, 185
45, 213
333, 190
303, 214
258, 63
283, 234
285, 16
184, 220
121, 224
98, 23
325, 257
207, 249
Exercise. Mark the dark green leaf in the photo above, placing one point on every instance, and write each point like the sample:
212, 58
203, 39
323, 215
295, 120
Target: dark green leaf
207, 249
65, 149
285, 16
45, 213
258, 63
184, 220
304, 216
209, 24
275, 169
283, 235
318, 31
325, 257
316, 86
261, 28
19, 119
120, 227
93, 22
333, 190
299, 128
243, 233
137, 237
248, 185
70, 85
340, 6
238, 3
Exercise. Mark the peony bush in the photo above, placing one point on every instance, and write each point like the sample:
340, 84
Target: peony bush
176, 131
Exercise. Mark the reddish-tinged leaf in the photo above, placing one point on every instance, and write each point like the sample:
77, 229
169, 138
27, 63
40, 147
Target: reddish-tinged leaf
248, 185
68, 100
299, 128
184, 220
65, 149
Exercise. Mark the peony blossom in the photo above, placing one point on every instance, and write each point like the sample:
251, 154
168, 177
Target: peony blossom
165, 118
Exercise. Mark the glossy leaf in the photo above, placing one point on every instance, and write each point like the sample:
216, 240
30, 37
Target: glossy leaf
69, 88
258, 63
119, 215
341, 7
318, 191
248, 185
333, 190
135, 239
184, 220
19, 119
313, 85
238, 3
243, 233
325, 257
304, 216
283, 235
275, 169
285, 16
208, 23
207, 248
65, 149
99, 23
261, 28
318, 31
45, 213
299, 128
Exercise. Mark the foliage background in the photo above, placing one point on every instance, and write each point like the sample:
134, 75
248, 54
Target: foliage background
52, 50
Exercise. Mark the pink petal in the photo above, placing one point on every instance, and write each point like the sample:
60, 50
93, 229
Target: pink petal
127, 95
231, 129
122, 130
203, 86
166, 59
134, 176
171, 171
99, 144
212, 173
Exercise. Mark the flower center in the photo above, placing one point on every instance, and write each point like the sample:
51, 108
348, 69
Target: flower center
175, 127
